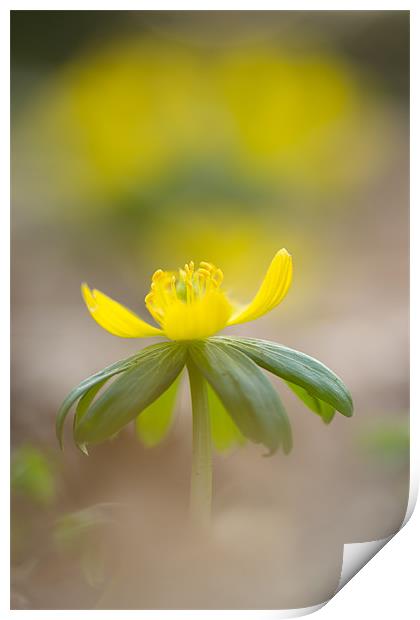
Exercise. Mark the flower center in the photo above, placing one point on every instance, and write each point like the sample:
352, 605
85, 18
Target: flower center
189, 304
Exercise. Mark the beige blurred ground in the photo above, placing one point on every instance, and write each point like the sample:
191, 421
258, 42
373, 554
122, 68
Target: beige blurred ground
279, 523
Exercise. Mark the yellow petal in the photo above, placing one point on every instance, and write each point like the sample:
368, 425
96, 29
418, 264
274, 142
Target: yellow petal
198, 320
114, 317
273, 289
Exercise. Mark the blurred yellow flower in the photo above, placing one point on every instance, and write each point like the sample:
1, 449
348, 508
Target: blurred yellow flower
121, 119
190, 304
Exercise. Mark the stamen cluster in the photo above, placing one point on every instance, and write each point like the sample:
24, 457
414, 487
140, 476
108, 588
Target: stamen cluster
187, 285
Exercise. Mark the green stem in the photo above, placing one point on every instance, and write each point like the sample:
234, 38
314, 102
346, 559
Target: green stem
201, 474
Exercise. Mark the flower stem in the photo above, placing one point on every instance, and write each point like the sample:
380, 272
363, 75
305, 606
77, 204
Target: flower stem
201, 474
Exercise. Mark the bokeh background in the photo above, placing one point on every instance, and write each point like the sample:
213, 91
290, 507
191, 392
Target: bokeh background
144, 139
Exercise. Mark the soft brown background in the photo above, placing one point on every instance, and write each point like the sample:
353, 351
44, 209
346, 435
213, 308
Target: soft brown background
280, 522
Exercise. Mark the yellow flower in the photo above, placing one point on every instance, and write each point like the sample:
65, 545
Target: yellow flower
190, 304
232, 400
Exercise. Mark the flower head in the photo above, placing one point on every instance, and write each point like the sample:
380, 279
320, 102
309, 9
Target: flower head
190, 304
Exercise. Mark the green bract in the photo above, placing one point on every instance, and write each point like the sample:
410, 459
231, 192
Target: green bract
243, 402
321, 389
154, 422
245, 392
139, 386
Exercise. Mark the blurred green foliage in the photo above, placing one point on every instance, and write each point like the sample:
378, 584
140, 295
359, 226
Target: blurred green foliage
225, 434
72, 529
33, 475
387, 440
83, 534
153, 424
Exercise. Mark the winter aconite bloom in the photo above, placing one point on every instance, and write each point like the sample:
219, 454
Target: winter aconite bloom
190, 306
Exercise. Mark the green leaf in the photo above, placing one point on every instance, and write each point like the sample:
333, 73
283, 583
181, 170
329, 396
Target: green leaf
100, 377
245, 392
224, 432
297, 368
153, 424
324, 410
83, 406
154, 371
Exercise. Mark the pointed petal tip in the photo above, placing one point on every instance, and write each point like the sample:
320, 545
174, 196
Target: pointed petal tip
272, 450
286, 446
83, 448
114, 317
88, 296
272, 290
